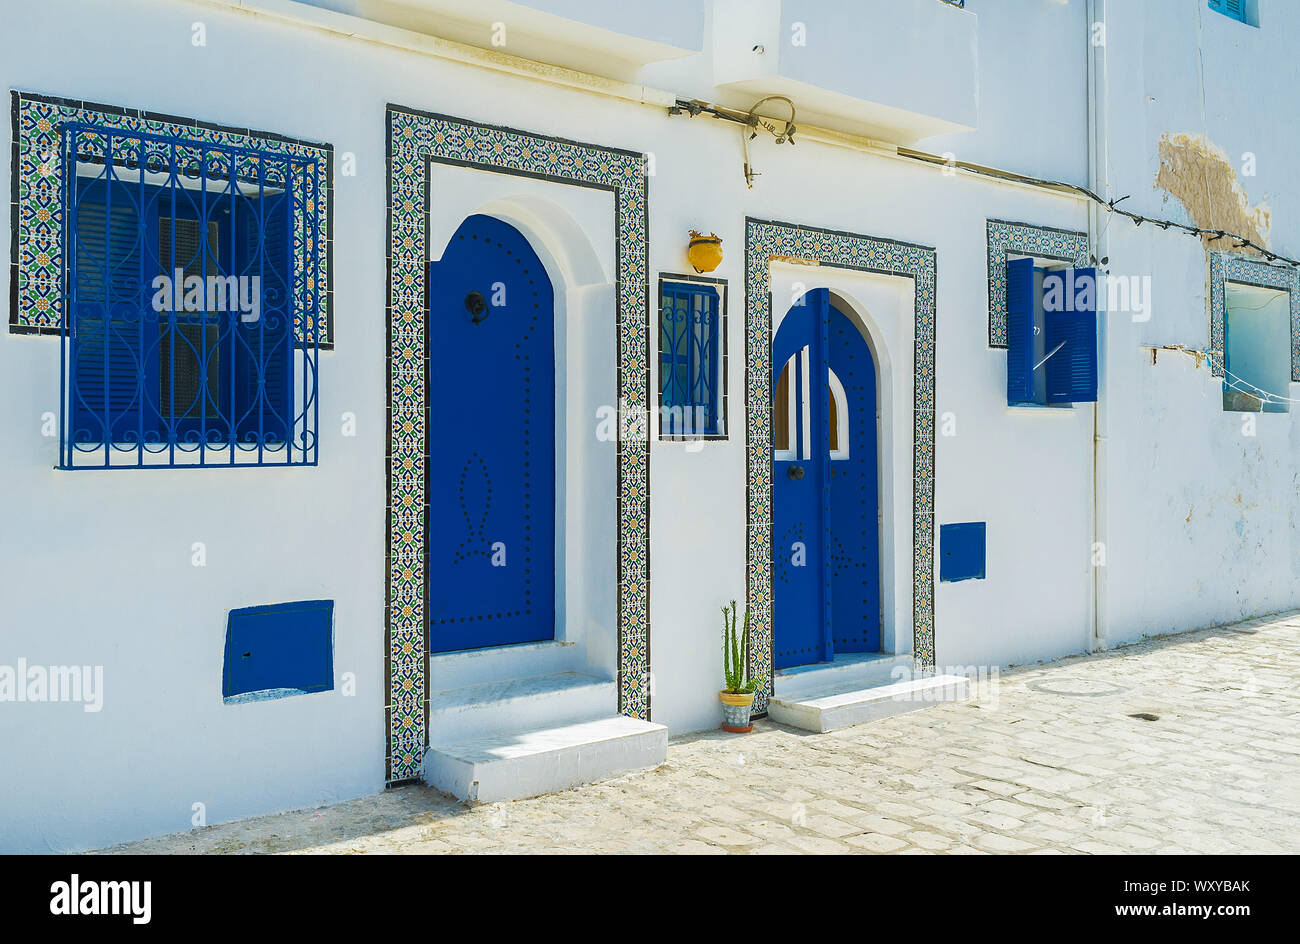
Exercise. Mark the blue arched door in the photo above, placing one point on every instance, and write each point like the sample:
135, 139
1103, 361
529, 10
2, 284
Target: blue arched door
825, 499
490, 442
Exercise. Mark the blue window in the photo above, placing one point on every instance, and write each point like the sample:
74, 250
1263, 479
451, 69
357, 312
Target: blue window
690, 336
190, 330
1051, 334
283, 649
1235, 9
961, 551
1256, 348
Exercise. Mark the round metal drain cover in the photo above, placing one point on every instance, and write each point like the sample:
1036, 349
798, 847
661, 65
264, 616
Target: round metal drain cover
1077, 687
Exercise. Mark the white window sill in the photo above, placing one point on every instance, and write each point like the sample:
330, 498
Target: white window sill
1062, 409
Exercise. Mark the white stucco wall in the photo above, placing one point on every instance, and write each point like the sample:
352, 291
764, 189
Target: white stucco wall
1202, 518
1033, 109
97, 565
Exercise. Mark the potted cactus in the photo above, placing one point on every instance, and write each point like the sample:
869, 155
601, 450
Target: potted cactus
738, 694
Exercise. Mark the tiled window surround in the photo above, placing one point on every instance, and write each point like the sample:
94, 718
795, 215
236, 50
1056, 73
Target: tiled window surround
36, 260
1042, 242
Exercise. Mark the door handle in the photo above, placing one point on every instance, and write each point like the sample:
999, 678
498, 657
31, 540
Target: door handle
795, 472
477, 307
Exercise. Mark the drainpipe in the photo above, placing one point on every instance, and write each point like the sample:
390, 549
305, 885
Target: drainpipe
1099, 183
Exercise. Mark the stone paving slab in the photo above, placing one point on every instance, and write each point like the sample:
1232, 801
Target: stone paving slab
1187, 743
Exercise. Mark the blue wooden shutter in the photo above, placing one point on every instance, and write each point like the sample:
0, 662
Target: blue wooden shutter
1020, 331
190, 388
1072, 371
1231, 8
264, 348
110, 321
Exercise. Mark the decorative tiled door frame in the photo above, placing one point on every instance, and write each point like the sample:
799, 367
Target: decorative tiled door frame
415, 140
766, 242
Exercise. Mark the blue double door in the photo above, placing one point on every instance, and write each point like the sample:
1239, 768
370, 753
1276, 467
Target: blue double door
490, 442
825, 490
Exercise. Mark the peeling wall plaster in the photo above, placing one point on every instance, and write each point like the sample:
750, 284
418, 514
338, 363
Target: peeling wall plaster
1198, 173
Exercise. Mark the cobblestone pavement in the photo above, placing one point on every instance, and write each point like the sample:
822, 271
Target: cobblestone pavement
1185, 743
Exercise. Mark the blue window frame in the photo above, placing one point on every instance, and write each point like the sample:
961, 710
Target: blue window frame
190, 337
690, 329
1051, 334
1256, 348
1233, 9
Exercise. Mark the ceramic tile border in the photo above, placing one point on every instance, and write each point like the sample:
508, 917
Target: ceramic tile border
1225, 267
1005, 238
415, 139
764, 242
35, 211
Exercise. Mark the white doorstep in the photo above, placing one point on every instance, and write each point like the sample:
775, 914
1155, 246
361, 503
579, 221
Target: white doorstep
830, 711
847, 672
518, 704
544, 760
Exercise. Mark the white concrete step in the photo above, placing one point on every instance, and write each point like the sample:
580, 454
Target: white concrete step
448, 670
520, 704
544, 760
828, 711
848, 672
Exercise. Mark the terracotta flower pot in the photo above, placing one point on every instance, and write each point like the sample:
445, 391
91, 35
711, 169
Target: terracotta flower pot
735, 712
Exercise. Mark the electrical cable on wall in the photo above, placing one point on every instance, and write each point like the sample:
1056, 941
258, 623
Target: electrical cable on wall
1111, 205
1239, 384
695, 107
750, 121
751, 124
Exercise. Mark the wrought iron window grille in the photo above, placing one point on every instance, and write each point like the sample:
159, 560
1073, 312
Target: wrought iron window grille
689, 376
190, 335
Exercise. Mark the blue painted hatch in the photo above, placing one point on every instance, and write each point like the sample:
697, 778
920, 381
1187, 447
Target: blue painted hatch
961, 551
281, 648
